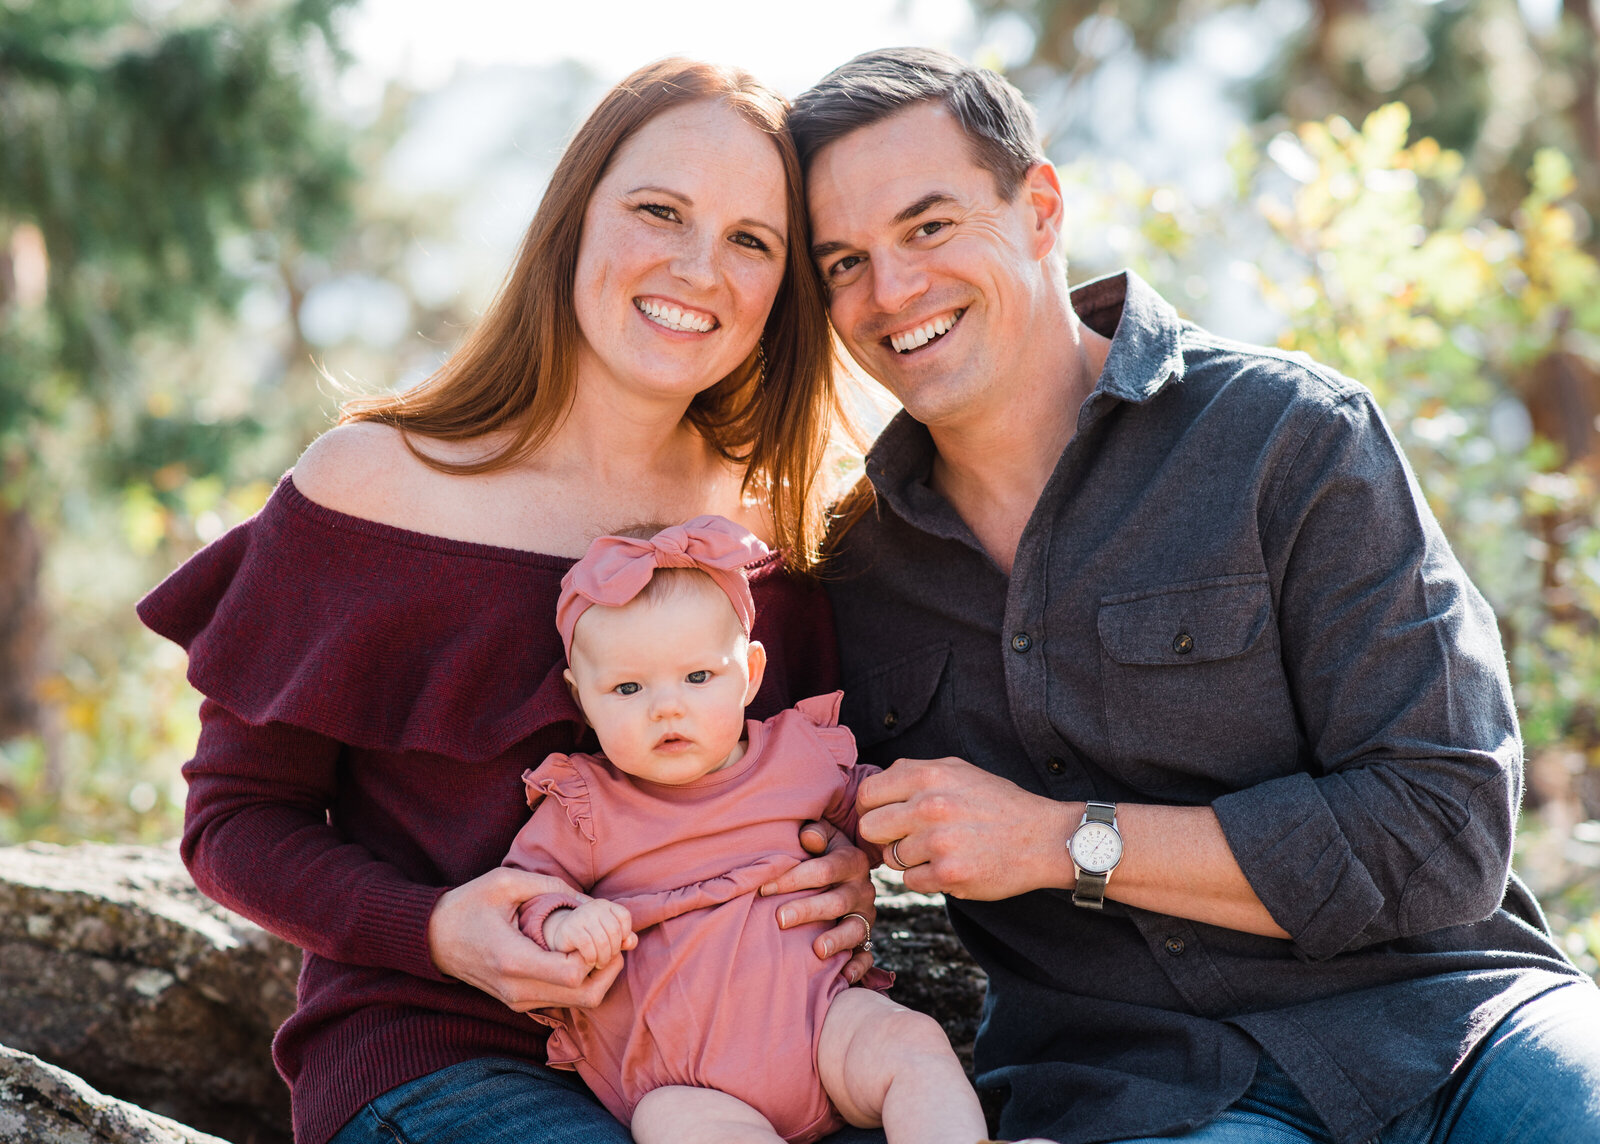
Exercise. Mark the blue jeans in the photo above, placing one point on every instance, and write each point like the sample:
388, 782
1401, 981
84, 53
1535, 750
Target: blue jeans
1534, 1080
499, 1101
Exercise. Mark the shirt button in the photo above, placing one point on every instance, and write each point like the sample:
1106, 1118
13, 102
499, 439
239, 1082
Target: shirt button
1174, 945
1056, 764
1183, 643
890, 718
1021, 642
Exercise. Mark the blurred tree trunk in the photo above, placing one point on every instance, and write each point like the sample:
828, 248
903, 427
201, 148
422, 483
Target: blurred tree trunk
21, 623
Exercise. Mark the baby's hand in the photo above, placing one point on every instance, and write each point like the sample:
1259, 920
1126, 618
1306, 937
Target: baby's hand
596, 931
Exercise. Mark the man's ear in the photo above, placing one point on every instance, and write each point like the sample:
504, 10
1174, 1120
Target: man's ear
758, 669
1047, 209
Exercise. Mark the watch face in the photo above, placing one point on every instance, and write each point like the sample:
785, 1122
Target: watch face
1096, 847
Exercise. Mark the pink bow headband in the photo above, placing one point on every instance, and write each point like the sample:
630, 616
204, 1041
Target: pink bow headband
615, 569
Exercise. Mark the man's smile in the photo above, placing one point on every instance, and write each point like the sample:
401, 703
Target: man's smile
915, 338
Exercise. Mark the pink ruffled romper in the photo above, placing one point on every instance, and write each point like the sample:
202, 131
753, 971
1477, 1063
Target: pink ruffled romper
715, 995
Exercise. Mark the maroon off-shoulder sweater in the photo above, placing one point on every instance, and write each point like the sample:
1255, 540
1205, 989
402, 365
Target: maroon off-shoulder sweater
371, 698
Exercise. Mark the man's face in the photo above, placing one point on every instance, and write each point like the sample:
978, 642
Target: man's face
935, 281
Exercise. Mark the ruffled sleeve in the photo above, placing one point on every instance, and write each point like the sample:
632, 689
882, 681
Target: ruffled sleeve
822, 711
558, 839
820, 714
374, 636
559, 779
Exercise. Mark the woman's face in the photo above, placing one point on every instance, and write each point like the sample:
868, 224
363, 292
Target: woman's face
683, 250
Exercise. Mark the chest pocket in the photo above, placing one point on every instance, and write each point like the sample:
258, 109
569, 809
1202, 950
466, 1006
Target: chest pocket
898, 709
1195, 699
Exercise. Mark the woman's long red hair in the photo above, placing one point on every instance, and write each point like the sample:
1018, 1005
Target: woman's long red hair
516, 368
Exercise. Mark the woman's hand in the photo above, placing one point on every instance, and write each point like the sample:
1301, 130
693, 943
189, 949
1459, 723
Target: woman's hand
840, 877
473, 936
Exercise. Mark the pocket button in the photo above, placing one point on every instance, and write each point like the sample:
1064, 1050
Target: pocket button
1183, 643
890, 718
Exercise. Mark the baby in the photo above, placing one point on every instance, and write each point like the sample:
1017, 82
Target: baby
721, 1027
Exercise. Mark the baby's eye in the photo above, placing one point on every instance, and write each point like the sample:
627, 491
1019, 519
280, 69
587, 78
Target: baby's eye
626, 688
700, 676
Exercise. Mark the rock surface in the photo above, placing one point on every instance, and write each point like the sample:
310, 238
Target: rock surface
41, 1104
933, 972
113, 966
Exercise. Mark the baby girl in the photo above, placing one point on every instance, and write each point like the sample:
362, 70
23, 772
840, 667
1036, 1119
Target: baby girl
721, 1027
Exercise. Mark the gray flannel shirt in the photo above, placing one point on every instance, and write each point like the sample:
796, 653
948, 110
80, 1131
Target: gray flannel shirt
1231, 593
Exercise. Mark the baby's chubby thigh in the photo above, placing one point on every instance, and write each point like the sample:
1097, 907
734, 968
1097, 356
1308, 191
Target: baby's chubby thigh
875, 1053
677, 1114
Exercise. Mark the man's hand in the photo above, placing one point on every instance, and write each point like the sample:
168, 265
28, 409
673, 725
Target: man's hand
473, 936
840, 875
957, 829
598, 931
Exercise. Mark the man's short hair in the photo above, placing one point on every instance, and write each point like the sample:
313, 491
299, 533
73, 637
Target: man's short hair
999, 123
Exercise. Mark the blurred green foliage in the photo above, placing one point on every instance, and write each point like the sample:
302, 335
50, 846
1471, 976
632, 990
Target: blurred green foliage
158, 164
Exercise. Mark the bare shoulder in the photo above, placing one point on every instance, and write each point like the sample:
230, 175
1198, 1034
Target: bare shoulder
362, 468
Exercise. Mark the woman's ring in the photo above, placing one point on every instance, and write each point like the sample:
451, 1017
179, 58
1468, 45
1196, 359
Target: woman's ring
866, 942
894, 852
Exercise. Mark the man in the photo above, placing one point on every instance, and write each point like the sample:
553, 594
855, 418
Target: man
1127, 593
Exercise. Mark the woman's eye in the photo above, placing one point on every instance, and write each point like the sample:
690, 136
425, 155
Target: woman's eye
699, 676
660, 210
750, 241
626, 688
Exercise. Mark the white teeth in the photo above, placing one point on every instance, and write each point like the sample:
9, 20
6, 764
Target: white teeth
922, 335
674, 317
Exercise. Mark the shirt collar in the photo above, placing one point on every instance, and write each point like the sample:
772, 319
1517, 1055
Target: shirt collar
1146, 356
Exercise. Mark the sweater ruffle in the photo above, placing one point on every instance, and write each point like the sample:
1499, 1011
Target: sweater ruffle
373, 635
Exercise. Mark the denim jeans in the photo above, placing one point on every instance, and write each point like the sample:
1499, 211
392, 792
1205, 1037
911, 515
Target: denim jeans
1534, 1080
498, 1101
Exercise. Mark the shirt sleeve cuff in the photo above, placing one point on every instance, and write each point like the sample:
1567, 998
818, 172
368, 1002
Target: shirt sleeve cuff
1296, 858
531, 917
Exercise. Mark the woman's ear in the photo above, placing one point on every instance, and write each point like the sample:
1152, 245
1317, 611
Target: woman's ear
758, 669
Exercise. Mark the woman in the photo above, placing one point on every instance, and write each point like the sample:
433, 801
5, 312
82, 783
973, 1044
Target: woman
376, 647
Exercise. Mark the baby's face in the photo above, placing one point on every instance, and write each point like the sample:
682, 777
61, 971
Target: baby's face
664, 683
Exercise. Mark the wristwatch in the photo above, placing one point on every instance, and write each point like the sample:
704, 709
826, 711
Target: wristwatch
1095, 848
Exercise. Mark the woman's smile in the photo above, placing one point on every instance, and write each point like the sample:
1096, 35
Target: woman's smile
675, 317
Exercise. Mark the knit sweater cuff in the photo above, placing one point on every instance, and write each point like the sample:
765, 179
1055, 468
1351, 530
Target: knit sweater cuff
392, 921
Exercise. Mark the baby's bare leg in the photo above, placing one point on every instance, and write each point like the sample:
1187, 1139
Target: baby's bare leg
678, 1114
882, 1063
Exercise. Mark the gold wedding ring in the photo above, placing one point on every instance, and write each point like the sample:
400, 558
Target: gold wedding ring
866, 942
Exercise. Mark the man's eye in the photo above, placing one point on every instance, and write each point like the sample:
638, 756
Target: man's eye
928, 229
848, 262
698, 676
626, 688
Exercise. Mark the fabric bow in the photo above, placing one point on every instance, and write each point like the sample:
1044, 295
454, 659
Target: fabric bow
615, 569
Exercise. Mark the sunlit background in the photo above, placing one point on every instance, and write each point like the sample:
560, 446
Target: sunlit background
219, 218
